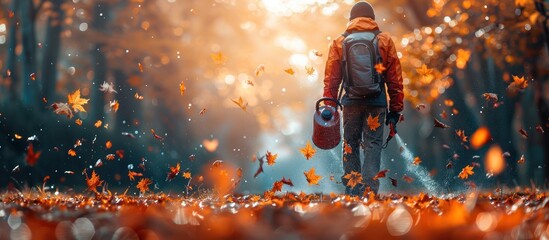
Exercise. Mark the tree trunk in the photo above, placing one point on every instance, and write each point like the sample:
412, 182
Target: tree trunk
31, 88
11, 55
52, 45
100, 20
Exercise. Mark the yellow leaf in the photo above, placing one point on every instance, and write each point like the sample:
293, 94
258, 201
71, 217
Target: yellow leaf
218, 58
373, 122
308, 151
187, 175
310, 70
311, 177
289, 71
76, 102
98, 123
270, 158
240, 102
518, 83
466, 172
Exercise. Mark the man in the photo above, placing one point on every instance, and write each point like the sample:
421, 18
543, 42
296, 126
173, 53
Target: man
356, 108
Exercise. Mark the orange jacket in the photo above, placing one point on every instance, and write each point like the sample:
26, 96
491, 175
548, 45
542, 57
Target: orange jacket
392, 74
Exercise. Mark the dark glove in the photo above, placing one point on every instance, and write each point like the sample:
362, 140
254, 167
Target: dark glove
392, 117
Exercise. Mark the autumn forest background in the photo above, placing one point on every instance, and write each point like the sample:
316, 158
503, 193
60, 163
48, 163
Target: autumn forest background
163, 79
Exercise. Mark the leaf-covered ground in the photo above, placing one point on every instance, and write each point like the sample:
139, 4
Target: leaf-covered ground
488, 215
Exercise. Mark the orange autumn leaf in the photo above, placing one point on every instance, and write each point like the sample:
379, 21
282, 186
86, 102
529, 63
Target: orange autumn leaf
310, 70
521, 159
519, 83
78, 122
353, 178
32, 157
480, 137
311, 177
461, 135
449, 102
76, 102
182, 88
347, 149
93, 182
132, 175
373, 122
138, 97
173, 172
259, 70
114, 105
71, 153
143, 185
140, 67
277, 186
218, 58
108, 144
423, 70
380, 68
98, 123
187, 175
110, 157
466, 172
416, 161
308, 151
270, 158
240, 103
289, 71
380, 174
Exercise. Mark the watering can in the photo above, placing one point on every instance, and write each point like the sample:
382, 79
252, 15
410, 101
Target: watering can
326, 125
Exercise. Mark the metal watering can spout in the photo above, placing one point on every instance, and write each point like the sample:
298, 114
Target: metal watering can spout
326, 125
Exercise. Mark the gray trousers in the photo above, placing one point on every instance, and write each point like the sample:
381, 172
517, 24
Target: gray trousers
357, 135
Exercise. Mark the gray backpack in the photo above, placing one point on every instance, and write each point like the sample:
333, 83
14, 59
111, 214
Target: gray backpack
360, 55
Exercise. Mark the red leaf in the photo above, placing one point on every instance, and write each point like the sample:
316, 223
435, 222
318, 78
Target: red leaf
439, 124
380, 174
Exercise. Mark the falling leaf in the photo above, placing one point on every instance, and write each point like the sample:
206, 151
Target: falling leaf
443, 114
108, 144
490, 97
380, 174
182, 88
137, 96
311, 177
120, 153
523, 133
316, 53
98, 163
76, 102
394, 182
132, 175
114, 105
107, 87
140, 67
407, 178
187, 175
62, 109
290, 71
240, 103
277, 186
461, 135
373, 122
98, 123
539, 128
380, 68
309, 70
143, 185
480, 137
93, 182
250, 82
466, 172
308, 151
518, 84
156, 136
78, 122
32, 157
353, 178
287, 181
110, 157
17, 136
69, 172
439, 124
173, 172
218, 58
271, 158
494, 162
33, 76
260, 169
347, 149
521, 159
423, 70
72, 153
416, 161
210, 145
449, 102
259, 70
420, 106
202, 111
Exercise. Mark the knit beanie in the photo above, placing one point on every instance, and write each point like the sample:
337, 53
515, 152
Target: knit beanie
362, 9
